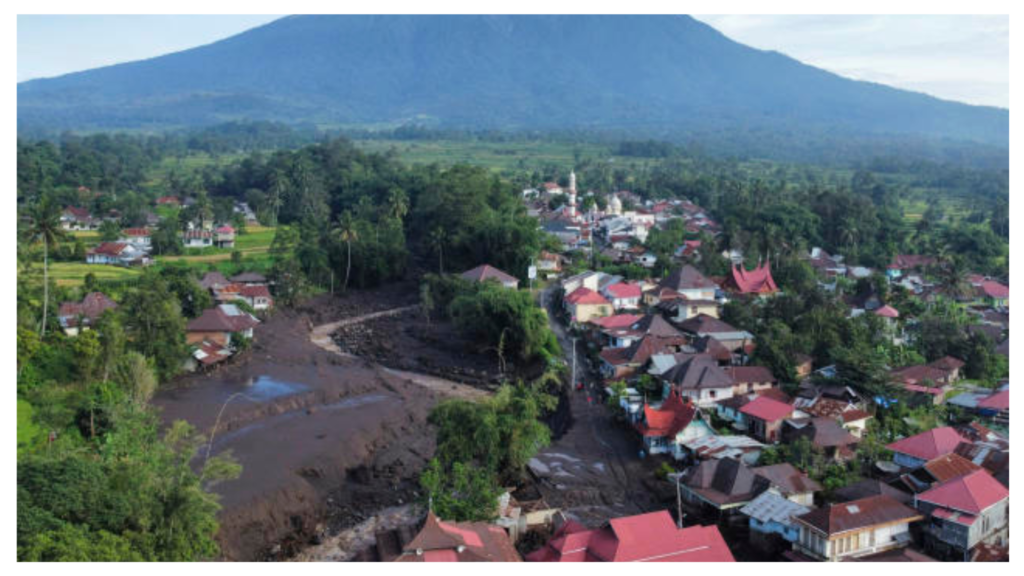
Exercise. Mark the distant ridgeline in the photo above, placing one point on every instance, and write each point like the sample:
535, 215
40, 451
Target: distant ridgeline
666, 78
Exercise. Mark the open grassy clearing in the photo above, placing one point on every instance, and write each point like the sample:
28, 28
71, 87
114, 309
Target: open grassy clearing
73, 273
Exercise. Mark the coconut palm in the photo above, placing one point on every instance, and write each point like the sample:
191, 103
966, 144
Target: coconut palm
46, 228
397, 203
346, 232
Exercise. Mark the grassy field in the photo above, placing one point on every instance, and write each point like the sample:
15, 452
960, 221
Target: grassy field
73, 273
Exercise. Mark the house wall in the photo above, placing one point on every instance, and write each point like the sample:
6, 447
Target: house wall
991, 524
788, 532
850, 544
707, 397
698, 293
584, 312
220, 338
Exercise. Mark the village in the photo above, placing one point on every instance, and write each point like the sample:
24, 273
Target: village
739, 459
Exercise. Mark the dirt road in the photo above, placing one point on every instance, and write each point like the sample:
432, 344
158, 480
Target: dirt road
594, 471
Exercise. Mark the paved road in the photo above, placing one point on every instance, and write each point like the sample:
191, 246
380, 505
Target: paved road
594, 471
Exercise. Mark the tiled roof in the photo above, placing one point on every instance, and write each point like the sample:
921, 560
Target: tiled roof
616, 321
109, 248
624, 290
930, 444
254, 291
858, 514
972, 493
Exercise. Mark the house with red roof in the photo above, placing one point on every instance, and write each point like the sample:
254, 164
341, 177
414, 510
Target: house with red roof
80, 316
168, 201
440, 541
995, 294
257, 296
963, 513
197, 238
666, 428
623, 295
763, 417
224, 236
853, 529
904, 262
118, 254
583, 304
651, 537
914, 451
758, 281
138, 237
486, 272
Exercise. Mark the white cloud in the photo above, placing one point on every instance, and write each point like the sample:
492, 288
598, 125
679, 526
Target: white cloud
965, 58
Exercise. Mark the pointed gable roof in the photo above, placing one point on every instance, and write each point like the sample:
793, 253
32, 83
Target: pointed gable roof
756, 281
999, 401
488, 272
972, 493
724, 481
697, 372
669, 419
928, 445
949, 466
616, 321
584, 295
656, 325
687, 278
788, 479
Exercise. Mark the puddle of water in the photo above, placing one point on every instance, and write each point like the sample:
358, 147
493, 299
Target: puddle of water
267, 388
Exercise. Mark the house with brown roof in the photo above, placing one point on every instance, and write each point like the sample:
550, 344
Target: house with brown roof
212, 280
936, 471
75, 218
904, 262
75, 317
699, 378
626, 362
824, 433
690, 283
790, 483
486, 272
440, 541
717, 488
249, 278
666, 428
256, 296
219, 324
853, 529
963, 513
850, 414
651, 537
750, 378
732, 338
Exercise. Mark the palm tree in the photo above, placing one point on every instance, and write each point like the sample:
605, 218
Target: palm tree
437, 239
397, 203
46, 228
276, 193
346, 232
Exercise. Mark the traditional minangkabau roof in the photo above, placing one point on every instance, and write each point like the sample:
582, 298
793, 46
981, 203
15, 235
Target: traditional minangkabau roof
928, 445
858, 514
669, 419
441, 541
487, 272
972, 493
651, 537
756, 281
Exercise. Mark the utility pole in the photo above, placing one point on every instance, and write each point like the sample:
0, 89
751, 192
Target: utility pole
679, 502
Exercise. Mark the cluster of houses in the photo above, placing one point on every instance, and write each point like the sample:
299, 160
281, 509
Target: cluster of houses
213, 334
134, 246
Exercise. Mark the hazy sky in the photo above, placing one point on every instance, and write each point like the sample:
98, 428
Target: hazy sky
963, 58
